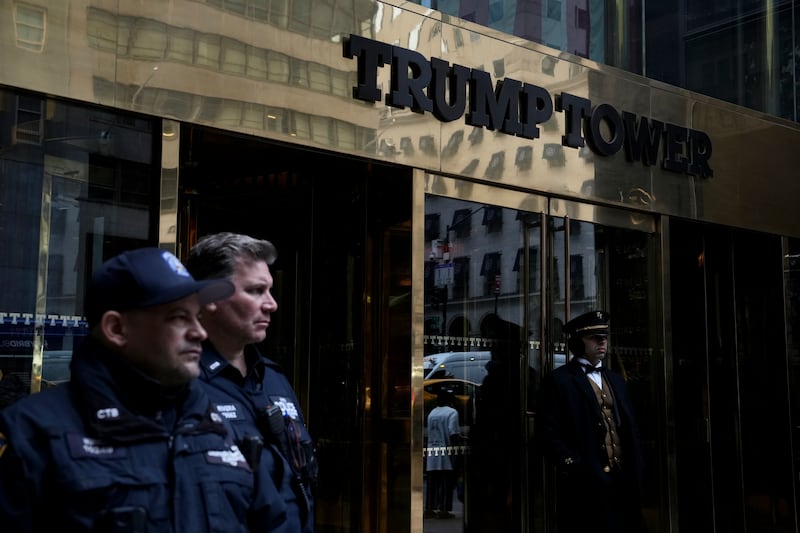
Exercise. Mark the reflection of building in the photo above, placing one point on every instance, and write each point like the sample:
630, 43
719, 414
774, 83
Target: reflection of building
504, 270
399, 232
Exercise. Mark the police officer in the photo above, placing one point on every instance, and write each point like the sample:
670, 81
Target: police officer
587, 429
132, 443
249, 389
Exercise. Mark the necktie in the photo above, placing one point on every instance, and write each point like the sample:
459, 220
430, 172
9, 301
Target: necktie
589, 369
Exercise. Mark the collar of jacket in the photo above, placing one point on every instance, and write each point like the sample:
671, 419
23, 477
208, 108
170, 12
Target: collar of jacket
212, 363
122, 405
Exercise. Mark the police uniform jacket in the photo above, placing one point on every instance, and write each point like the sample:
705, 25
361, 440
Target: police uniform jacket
571, 434
264, 404
113, 448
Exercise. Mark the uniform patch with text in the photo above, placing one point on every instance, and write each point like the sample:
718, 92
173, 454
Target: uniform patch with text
231, 457
230, 411
81, 447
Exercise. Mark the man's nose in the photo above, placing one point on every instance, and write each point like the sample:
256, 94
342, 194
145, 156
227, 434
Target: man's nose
197, 331
269, 304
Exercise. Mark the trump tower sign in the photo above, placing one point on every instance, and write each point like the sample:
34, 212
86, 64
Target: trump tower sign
516, 108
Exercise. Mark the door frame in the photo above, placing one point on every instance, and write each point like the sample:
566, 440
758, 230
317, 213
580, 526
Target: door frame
425, 183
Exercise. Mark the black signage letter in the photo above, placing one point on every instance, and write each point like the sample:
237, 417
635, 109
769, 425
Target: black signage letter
411, 74
641, 141
575, 109
503, 103
371, 55
701, 151
536, 107
594, 136
458, 77
675, 139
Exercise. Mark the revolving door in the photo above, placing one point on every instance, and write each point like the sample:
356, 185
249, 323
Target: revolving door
503, 272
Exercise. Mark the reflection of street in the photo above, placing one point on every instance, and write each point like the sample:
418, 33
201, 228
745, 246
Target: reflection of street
446, 525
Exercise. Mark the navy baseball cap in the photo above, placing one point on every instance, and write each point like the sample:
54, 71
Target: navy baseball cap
146, 277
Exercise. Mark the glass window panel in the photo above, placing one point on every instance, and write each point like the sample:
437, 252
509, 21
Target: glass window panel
275, 121
345, 135
299, 72
319, 77
301, 126
124, 30
554, 10
258, 10
253, 116
233, 56
461, 223
340, 83
101, 29
321, 129
149, 40
279, 13
208, 50
29, 125
209, 109
433, 226
256, 62
236, 6
230, 113
322, 18
278, 67
300, 21
30, 25
180, 44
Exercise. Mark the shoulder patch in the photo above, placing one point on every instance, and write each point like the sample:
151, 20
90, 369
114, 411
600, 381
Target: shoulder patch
230, 457
288, 408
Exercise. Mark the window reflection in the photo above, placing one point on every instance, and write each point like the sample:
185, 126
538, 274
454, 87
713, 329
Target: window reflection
81, 187
484, 292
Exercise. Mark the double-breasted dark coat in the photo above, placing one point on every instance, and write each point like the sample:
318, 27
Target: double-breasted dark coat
570, 432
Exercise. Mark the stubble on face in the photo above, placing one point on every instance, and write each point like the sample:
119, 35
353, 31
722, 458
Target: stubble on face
165, 341
244, 317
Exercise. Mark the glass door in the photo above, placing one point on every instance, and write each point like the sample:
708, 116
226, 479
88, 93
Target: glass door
482, 313
503, 272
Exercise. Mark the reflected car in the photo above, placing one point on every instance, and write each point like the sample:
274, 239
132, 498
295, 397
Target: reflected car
469, 366
56, 367
464, 394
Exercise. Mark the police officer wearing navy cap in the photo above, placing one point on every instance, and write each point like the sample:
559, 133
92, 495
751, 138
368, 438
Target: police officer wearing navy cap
586, 428
132, 442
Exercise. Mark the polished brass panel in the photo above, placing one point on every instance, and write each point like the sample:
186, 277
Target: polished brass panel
168, 208
37, 356
278, 76
607, 216
477, 192
418, 336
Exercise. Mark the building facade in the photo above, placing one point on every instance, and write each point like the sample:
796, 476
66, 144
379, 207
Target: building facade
424, 168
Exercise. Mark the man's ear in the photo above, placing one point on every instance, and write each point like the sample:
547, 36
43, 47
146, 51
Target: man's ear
208, 310
112, 326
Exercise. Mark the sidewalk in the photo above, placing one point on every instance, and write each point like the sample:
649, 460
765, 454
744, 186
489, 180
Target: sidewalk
446, 525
